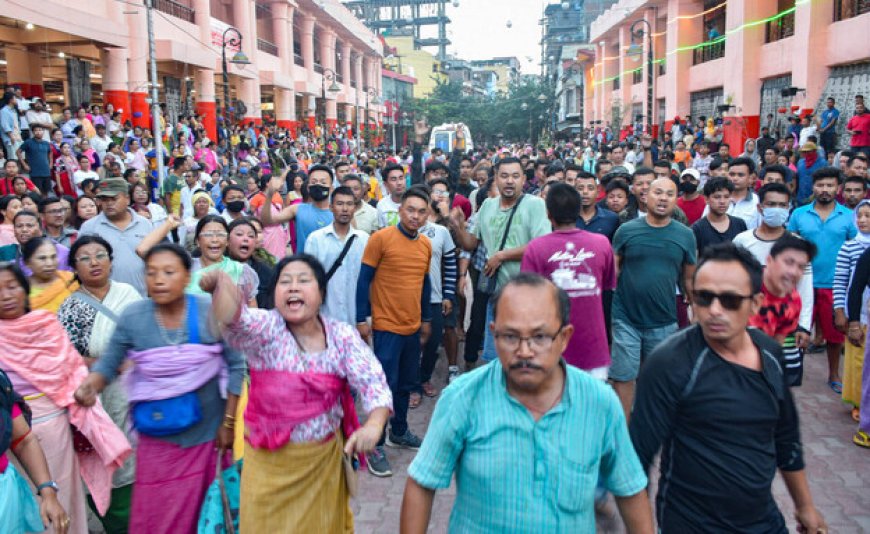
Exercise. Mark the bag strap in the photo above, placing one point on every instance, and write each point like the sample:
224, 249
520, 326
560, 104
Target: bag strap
99, 306
340, 259
507, 228
192, 320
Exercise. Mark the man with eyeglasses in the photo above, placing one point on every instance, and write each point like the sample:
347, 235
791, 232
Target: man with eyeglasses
531, 459
53, 217
714, 397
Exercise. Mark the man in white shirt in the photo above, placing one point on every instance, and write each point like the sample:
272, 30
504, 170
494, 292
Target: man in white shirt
388, 207
38, 115
85, 172
101, 141
327, 243
744, 203
192, 185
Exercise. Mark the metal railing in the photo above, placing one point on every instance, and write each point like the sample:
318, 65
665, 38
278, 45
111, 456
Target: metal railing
779, 29
175, 9
318, 68
846, 9
708, 52
297, 60
267, 47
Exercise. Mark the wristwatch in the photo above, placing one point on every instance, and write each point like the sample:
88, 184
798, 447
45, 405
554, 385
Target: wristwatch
50, 484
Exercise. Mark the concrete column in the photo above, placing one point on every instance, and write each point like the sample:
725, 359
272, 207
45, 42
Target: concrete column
626, 63
137, 69
311, 107
206, 103
115, 91
682, 32
283, 106
307, 43
327, 59
281, 29
17, 69
345, 67
649, 16
348, 118
37, 65
250, 95
358, 75
809, 46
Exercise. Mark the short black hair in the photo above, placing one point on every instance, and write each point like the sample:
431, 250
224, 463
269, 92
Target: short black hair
773, 188
782, 170
417, 191
25, 213
827, 172
320, 167
178, 163
29, 248
46, 201
390, 167
340, 164
718, 162
617, 183
351, 177
436, 166
856, 180
728, 251
563, 203
341, 190
210, 218
794, 242
600, 163
856, 157
509, 161
172, 248
662, 163
442, 181
641, 171
717, 184
749, 162
529, 279
231, 187
555, 167
243, 221
583, 175
309, 260
89, 239
16, 271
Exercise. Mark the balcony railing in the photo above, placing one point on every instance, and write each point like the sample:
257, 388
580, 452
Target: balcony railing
297, 60
846, 9
267, 47
318, 68
175, 9
780, 28
708, 52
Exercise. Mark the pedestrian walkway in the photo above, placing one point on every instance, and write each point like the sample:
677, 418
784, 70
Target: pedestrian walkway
838, 471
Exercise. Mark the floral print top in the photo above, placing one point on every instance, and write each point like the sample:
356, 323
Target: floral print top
270, 346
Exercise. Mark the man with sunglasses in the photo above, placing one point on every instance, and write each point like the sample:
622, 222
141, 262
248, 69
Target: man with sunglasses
714, 397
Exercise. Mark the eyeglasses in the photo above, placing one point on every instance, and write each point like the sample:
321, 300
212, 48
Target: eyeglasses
729, 301
59, 211
538, 342
213, 235
99, 256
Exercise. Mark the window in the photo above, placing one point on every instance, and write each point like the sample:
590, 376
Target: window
846, 9
616, 82
783, 26
637, 75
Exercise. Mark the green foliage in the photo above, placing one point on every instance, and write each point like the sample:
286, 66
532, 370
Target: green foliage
491, 119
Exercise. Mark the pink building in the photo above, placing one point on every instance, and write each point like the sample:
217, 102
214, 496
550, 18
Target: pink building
753, 62
72, 51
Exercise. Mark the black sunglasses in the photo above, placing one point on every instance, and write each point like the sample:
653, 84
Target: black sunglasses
729, 301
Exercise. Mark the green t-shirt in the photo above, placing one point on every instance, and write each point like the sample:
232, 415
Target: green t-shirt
529, 222
172, 186
652, 261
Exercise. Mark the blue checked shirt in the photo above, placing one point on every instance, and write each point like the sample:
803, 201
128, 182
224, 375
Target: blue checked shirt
517, 475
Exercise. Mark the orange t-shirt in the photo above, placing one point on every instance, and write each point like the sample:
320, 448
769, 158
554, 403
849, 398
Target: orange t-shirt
401, 265
259, 199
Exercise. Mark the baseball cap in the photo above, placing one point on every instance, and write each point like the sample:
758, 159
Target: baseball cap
809, 146
112, 187
694, 173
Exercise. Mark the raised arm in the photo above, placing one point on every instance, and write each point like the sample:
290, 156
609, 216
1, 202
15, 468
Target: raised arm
158, 234
286, 214
464, 239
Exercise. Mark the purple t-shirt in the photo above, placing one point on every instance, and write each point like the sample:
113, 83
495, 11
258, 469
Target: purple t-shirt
581, 263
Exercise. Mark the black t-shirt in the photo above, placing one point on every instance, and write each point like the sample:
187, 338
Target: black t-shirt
723, 429
706, 235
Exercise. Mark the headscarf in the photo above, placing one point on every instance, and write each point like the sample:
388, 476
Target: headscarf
202, 194
861, 237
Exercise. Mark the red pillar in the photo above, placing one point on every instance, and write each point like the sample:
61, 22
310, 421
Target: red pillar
208, 112
141, 115
120, 100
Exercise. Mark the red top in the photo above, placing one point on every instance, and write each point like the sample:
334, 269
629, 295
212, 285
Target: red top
778, 316
694, 209
861, 124
4, 461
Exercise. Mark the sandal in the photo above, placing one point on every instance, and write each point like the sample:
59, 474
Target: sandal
861, 439
856, 415
837, 387
415, 400
429, 390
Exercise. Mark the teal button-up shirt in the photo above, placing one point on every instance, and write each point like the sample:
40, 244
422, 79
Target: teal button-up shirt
514, 474
828, 236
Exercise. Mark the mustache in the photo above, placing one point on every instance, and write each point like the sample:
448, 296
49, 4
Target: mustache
525, 364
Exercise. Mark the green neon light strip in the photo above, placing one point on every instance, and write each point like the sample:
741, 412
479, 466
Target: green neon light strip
717, 40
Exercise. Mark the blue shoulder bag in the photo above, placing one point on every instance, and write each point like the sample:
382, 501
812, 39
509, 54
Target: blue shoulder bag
167, 417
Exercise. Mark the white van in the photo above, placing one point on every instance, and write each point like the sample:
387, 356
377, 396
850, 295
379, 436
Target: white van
443, 136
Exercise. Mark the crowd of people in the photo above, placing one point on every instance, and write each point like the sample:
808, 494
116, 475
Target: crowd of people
610, 299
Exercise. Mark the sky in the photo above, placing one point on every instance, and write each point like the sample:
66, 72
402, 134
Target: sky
478, 30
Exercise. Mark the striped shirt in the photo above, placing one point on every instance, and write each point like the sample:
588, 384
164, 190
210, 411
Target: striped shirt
847, 258
514, 474
442, 266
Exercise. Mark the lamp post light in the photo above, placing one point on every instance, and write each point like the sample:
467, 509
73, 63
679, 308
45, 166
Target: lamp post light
230, 37
525, 107
639, 33
328, 75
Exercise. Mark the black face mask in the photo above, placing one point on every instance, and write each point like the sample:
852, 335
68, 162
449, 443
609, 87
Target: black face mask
236, 206
318, 192
687, 188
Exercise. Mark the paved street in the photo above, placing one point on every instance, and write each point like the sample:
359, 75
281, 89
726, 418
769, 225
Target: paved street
834, 466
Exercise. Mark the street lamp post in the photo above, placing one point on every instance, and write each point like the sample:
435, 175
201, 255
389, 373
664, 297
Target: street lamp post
639, 33
371, 97
328, 75
525, 107
239, 58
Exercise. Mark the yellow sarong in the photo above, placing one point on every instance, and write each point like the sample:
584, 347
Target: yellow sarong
853, 366
297, 488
